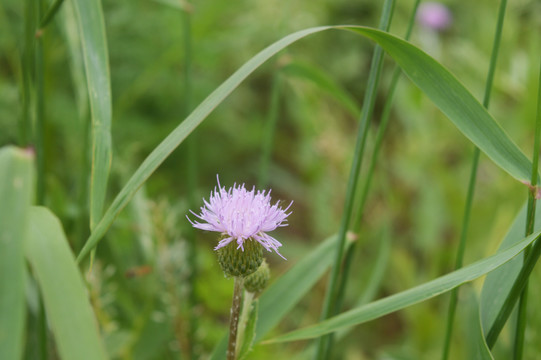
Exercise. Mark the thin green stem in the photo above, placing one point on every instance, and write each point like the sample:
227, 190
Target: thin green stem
349, 258
234, 319
386, 115
520, 330
269, 131
472, 182
27, 59
514, 294
460, 253
531, 255
40, 117
325, 342
53, 9
39, 129
191, 169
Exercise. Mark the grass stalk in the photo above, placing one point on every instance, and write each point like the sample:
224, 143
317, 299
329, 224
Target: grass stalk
49, 15
36, 42
40, 113
349, 258
27, 59
518, 348
269, 131
531, 255
191, 170
324, 346
471, 185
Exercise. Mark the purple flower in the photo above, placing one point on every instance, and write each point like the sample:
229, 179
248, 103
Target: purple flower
434, 15
242, 215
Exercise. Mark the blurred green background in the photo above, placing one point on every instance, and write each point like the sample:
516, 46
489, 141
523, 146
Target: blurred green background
139, 280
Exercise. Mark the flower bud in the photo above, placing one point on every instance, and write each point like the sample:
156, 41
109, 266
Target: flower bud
257, 282
239, 262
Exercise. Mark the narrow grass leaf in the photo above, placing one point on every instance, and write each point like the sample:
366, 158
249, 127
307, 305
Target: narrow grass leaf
92, 31
249, 332
409, 297
476, 344
64, 294
453, 99
16, 192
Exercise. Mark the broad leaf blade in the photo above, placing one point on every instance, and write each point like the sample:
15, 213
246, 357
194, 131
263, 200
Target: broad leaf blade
64, 295
409, 297
92, 31
16, 191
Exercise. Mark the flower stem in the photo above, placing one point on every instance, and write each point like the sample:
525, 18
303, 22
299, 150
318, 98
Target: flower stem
234, 319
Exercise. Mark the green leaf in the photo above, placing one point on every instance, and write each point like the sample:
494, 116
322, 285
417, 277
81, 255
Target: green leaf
453, 99
477, 346
287, 291
92, 31
409, 297
249, 332
16, 192
498, 283
64, 294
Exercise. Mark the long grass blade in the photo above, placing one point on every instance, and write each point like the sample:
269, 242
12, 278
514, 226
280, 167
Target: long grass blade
433, 79
16, 192
66, 302
94, 42
408, 297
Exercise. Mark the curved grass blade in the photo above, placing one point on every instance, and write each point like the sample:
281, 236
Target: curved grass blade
64, 294
453, 99
16, 192
92, 31
409, 297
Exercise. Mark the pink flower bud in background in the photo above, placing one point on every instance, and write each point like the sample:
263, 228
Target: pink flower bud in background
433, 15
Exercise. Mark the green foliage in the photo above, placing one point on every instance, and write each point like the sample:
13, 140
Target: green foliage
64, 293
16, 191
122, 78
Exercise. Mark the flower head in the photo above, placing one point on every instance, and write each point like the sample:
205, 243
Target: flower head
242, 215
